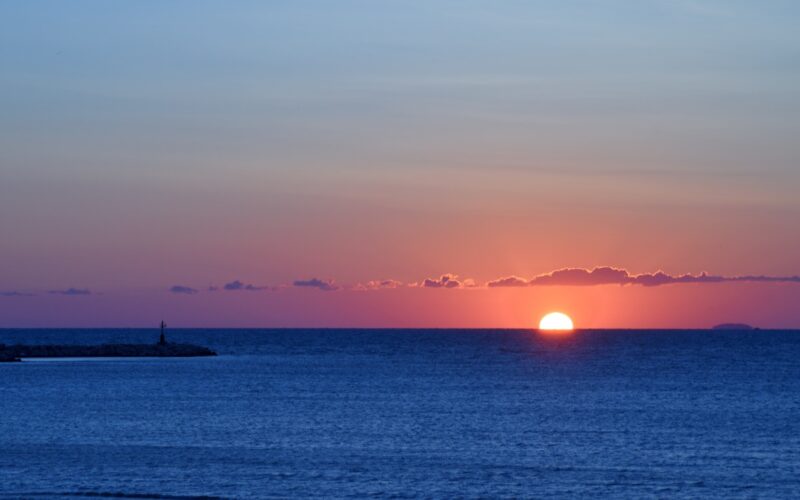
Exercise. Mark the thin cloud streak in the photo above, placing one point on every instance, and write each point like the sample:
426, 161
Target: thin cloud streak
71, 291
615, 276
14, 293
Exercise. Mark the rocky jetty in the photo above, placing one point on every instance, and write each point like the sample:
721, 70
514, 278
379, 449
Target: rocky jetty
6, 357
160, 350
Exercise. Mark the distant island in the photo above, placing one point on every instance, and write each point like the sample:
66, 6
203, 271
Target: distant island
734, 326
161, 349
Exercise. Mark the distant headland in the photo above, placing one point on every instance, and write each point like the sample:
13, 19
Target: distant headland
734, 326
160, 349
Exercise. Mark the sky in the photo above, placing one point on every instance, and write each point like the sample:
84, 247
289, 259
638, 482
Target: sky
391, 164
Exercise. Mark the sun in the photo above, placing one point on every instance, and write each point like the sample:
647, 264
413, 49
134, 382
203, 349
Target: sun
556, 321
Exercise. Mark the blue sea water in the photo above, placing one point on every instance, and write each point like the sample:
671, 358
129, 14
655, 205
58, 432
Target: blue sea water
403, 414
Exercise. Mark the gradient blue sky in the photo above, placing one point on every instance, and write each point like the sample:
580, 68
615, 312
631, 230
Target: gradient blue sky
149, 144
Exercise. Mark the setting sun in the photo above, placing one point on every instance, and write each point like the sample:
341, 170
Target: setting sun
556, 321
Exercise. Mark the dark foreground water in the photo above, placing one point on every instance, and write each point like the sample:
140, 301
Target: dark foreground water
437, 413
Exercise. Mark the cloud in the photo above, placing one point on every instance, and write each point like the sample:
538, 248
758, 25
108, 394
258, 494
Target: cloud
444, 281
378, 285
583, 277
614, 276
567, 277
509, 281
71, 291
655, 279
14, 293
234, 285
324, 285
238, 285
768, 279
661, 278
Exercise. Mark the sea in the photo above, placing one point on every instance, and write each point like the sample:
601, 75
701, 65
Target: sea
407, 414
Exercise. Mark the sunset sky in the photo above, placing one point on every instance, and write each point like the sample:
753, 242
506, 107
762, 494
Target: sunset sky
299, 163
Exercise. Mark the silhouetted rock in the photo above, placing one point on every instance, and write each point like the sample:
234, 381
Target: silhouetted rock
734, 326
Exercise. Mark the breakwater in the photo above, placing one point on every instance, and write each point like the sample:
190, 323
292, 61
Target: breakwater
20, 351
